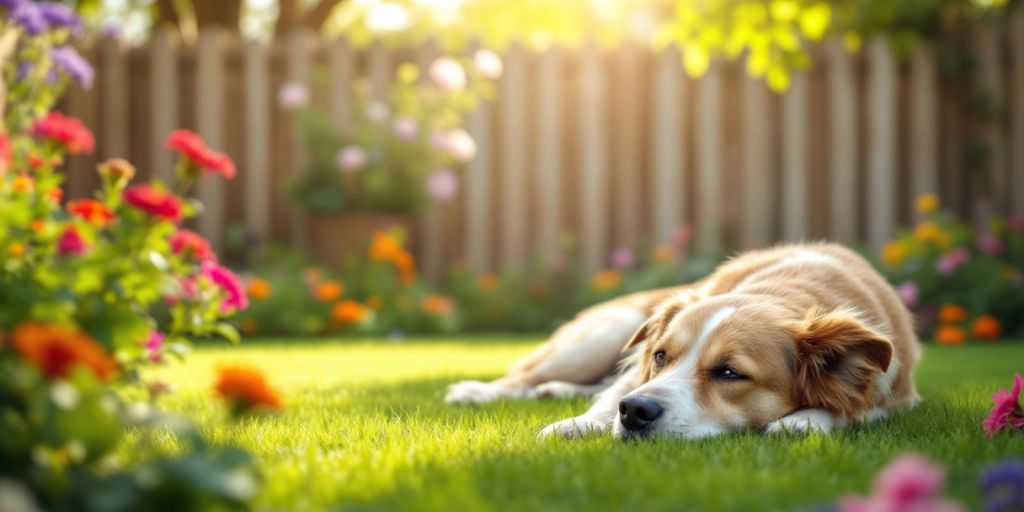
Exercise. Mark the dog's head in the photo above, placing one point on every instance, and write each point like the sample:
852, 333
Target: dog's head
723, 365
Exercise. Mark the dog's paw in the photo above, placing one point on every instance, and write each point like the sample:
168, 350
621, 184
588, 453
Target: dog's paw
557, 389
575, 427
803, 422
471, 392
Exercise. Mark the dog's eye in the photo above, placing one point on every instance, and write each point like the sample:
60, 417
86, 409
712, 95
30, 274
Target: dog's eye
727, 373
659, 359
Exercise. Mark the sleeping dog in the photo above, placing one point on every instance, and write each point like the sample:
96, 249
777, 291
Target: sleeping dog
794, 338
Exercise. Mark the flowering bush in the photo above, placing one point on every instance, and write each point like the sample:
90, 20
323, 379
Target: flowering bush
398, 155
963, 282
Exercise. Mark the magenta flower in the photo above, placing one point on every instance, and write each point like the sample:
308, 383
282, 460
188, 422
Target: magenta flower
460, 145
154, 344
488, 64
229, 283
908, 292
909, 482
990, 244
351, 158
448, 74
1007, 412
442, 185
623, 257
405, 128
71, 243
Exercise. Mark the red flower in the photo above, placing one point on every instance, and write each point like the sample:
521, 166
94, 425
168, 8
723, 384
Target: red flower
57, 350
91, 210
192, 147
154, 201
196, 246
71, 243
5, 152
67, 131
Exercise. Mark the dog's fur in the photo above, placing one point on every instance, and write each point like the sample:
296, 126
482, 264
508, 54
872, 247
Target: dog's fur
792, 338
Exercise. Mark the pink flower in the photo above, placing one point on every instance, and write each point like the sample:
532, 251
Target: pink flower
442, 185
405, 128
71, 243
448, 74
229, 283
192, 244
908, 483
949, 262
154, 201
622, 257
990, 244
460, 145
908, 291
439, 139
1007, 411
293, 95
488, 64
154, 344
351, 158
681, 235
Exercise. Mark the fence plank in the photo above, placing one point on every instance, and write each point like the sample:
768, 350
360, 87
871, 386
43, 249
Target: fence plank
593, 161
513, 160
298, 51
115, 97
379, 71
795, 137
709, 161
340, 63
844, 154
924, 124
478, 192
1017, 111
668, 146
626, 145
210, 124
881, 142
990, 86
758, 199
431, 219
257, 141
163, 96
548, 141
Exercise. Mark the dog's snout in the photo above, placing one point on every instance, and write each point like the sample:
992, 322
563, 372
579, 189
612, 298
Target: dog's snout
638, 412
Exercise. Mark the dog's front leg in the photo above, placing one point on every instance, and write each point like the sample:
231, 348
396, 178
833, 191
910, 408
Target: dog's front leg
601, 416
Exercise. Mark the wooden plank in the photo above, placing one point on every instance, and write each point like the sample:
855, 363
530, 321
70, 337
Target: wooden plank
795, 173
114, 91
513, 160
844, 153
340, 63
1017, 111
593, 160
431, 219
257, 141
548, 140
668, 146
881, 142
758, 197
163, 94
379, 71
299, 48
709, 161
989, 85
626, 145
478, 179
924, 124
210, 125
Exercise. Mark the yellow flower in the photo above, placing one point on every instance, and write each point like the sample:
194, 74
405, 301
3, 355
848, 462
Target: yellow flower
893, 254
928, 231
664, 253
927, 203
488, 282
16, 249
606, 280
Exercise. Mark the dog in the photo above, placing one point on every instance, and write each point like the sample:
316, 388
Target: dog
795, 338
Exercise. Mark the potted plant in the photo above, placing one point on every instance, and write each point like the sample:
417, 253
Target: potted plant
398, 157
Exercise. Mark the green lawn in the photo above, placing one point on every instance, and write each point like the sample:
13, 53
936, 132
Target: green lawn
365, 427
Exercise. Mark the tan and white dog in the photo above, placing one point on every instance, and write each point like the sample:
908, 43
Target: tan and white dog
793, 338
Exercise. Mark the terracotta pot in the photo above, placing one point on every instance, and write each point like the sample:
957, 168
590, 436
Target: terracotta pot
332, 238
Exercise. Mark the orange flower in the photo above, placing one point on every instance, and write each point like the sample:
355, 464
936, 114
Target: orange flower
246, 388
438, 305
55, 194
348, 312
312, 275
406, 266
374, 302
23, 183
894, 253
986, 327
259, 289
664, 253
37, 225
952, 314
91, 210
57, 350
488, 282
927, 203
16, 249
606, 280
948, 335
329, 291
384, 247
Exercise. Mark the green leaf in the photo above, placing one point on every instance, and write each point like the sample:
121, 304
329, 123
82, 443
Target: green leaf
228, 332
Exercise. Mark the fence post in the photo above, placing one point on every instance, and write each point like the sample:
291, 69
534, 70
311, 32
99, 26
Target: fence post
988, 83
709, 161
257, 141
1017, 110
299, 49
844, 155
593, 160
668, 145
548, 141
339, 62
513, 160
479, 171
163, 97
114, 92
924, 124
209, 105
431, 220
881, 142
626, 144
378, 69
758, 194
795, 200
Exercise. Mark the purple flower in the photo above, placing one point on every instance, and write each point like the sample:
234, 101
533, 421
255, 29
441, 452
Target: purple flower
58, 15
442, 185
229, 283
30, 17
67, 59
908, 292
24, 68
622, 257
112, 30
1002, 486
11, 5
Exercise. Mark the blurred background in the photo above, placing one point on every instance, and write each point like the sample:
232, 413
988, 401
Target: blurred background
627, 144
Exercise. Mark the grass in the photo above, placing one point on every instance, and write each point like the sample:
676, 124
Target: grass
365, 427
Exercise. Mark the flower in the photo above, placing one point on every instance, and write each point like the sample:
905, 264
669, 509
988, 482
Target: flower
1002, 486
66, 131
952, 314
374, 302
622, 257
1006, 413
460, 145
986, 327
30, 17
58, 350
442, 185
92, 211
245, 389
909, 482
329, 291
681, 235
192, 245
5, 152
58, 15
293, 95
154, 201
116, 170
377, 112
438, 305
16, 249
664, 253
67, 59
405, 128
193, 148
949, 335
606, 280
488, 64
348, 312
234, 294
930, 232
351, 158
894, 253
908, 292
71, 243
23, 183
384, 246
448, 74
990, 244
259, 289
1015, 224
153, 345
405, 265
488, 282
949, 262
927, 203
311, 275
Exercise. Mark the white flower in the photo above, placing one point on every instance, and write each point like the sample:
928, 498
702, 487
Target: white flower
293, 95
387, 17
377, 111
460, 145
351, 158
488, 64
448, 74
64, 395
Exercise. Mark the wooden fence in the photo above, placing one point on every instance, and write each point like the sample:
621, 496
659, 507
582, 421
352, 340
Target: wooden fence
615, 146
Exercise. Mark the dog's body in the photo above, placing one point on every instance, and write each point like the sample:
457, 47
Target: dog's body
796, 337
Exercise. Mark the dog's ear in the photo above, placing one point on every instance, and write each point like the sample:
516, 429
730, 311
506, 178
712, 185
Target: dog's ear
837, 360
640, 334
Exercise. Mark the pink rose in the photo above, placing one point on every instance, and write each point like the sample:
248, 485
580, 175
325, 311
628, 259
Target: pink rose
229, 283
442, 185
448, 74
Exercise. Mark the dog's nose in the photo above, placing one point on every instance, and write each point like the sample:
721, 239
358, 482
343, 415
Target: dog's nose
638, 412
